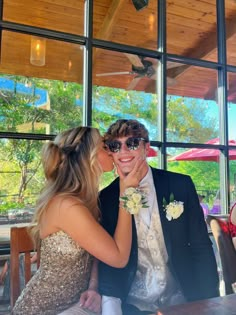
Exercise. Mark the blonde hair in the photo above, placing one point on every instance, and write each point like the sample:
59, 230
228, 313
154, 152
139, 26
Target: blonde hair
71, 169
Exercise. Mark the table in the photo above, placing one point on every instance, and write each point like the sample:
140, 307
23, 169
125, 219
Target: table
225, 305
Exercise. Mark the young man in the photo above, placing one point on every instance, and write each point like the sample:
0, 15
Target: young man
171, 259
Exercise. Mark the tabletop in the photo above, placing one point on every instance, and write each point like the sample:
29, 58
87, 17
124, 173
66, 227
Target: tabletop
225, 305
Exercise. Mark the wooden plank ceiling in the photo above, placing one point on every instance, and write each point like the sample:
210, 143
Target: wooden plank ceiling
191, 32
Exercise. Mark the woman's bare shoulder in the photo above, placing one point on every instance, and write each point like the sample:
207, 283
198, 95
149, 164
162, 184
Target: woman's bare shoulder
61, 211
61, 206
66, 201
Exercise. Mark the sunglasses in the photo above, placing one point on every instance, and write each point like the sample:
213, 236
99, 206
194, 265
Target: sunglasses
131, 143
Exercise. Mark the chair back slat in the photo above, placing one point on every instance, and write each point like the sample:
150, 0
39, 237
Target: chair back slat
27, 265
21, 243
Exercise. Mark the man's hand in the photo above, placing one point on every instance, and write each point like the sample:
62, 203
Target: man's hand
91, 300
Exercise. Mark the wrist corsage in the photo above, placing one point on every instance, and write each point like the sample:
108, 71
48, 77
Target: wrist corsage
174, 209
133, 199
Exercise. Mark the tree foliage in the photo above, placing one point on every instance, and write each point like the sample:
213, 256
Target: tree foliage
187, 121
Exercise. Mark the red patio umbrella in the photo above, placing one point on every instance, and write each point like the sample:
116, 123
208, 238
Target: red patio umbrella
204, 154
152, 152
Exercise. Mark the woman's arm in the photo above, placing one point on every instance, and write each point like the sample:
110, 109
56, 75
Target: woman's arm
77, 221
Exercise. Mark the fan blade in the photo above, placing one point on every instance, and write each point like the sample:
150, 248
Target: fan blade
171, 81
135, 60
112, 73
133, 83
172, 64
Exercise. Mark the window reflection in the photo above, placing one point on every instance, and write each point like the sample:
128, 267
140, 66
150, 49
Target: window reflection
21, 178
32, 105
205, 174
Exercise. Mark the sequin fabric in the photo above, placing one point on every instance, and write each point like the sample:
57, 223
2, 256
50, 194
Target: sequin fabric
63, 275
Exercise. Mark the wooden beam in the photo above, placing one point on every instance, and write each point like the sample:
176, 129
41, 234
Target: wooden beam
205, 47
109, 21
202, 50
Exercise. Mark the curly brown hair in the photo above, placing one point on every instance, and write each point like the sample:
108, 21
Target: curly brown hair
126, 127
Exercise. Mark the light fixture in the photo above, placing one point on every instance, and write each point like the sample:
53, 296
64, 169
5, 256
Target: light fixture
37, 51
140, 4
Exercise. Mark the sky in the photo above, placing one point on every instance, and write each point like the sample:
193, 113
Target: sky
232, 121
213, 112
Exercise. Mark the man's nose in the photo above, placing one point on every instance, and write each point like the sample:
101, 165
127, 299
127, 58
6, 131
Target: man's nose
124, 147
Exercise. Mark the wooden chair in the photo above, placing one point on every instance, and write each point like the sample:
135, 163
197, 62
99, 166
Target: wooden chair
21, 243
220, 230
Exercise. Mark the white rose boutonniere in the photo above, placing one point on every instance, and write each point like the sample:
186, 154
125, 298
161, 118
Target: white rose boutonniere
174, 209
133, 199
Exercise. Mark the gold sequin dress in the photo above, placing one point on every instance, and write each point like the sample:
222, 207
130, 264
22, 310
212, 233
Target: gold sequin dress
63, 275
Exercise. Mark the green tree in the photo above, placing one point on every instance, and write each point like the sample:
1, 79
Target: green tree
65, 112
186, 121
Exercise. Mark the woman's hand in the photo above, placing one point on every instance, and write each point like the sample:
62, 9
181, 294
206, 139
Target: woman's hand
134, 177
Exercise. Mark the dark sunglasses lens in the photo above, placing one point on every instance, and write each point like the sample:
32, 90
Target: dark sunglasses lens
114, 146
132, 143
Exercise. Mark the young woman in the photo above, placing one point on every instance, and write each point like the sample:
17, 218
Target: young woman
67, 223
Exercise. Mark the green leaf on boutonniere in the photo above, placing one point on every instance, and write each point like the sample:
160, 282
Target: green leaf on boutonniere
172, 198
164, 202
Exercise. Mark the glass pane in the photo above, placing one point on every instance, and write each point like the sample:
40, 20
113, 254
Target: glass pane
119, 90
125, 71
64, 16
192, 111
230, 24
21, 178
205, 175
191, 29
63, 61
232, 107
232, 172
153, 157
39, 105
121, 22
106, 179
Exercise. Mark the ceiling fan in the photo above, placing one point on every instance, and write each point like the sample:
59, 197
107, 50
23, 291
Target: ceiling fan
141, 67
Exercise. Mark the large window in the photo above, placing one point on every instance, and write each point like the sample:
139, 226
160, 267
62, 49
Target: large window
66, 63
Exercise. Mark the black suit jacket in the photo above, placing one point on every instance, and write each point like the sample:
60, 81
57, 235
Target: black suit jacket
191, 257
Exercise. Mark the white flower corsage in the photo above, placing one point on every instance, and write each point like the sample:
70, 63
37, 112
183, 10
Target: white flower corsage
174, 209
133, 199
